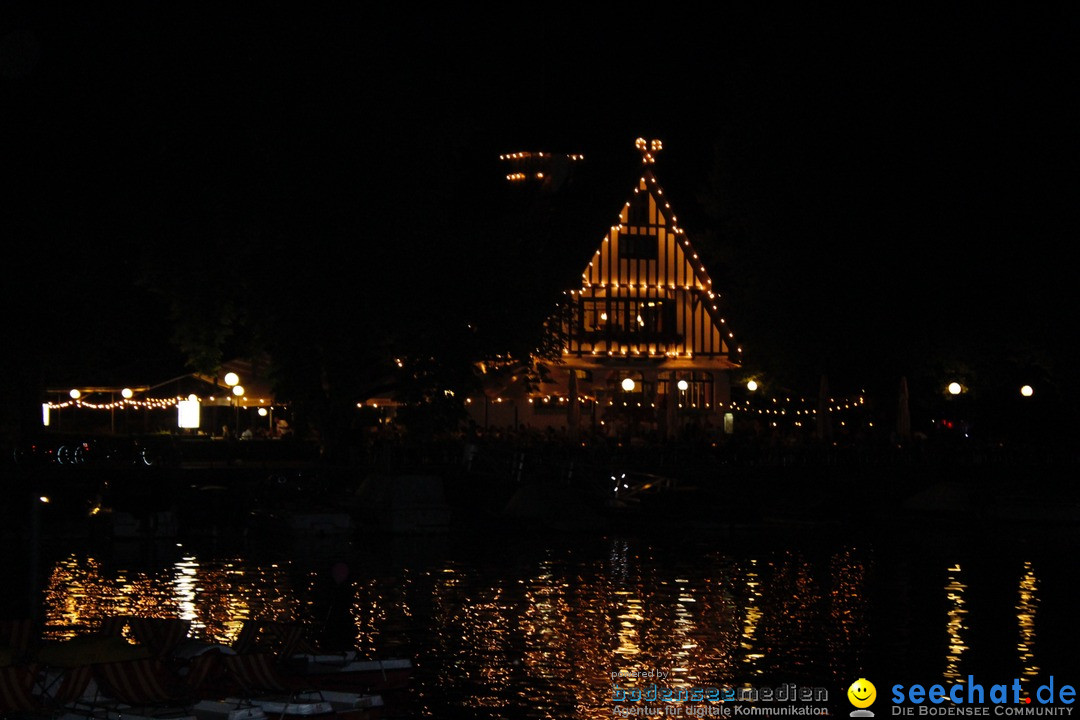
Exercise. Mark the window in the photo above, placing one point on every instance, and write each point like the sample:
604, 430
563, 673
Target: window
623, 315
691, 390
638, 247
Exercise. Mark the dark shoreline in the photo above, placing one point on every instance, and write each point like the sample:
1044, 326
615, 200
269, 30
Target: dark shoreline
561, 493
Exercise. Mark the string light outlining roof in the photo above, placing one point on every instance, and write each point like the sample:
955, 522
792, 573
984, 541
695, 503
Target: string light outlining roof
701, 284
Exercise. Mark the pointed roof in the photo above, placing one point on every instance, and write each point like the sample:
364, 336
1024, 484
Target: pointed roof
647, 213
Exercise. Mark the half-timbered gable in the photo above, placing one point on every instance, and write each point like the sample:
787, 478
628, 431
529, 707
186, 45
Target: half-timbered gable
647, 342
645, 292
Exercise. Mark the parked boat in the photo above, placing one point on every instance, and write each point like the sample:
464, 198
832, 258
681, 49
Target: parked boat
164, 671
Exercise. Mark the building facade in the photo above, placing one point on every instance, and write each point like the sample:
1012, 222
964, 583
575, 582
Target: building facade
647, 347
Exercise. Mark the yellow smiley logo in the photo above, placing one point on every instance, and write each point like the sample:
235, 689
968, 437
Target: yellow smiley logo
862, 693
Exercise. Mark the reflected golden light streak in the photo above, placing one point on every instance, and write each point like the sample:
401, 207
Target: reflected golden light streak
954, 625
1027, 605
185, 586
630, 617
751, 617
683, 670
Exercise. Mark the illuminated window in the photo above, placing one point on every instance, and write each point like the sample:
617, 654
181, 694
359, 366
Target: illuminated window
648, 320
699, 388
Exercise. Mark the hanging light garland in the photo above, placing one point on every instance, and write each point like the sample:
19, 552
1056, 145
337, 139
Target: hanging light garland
793, 407
797, 408
148, 404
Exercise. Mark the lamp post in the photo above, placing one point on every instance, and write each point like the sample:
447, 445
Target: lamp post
238, 392
683, 386
127, 394
269, 414
233, 381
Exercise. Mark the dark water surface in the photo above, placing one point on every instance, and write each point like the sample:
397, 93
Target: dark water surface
509, 626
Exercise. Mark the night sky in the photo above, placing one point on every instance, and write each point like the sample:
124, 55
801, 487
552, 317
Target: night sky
896, 183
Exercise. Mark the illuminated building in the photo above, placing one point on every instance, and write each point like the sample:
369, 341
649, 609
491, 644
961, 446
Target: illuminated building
647, 344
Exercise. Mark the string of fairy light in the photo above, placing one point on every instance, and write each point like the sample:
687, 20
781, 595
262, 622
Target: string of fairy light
122, 403
538, 174
787, 407
145, 404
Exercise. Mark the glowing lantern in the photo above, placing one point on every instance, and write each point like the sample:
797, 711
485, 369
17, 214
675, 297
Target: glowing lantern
187, 412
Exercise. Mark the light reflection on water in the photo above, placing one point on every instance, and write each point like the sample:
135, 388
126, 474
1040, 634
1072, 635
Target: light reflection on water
1026, 606
751, 618
954, 624
216, 596
544, 631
